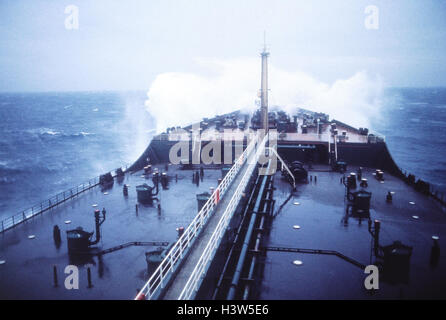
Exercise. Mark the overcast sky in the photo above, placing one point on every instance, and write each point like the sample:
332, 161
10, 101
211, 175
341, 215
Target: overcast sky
124, 45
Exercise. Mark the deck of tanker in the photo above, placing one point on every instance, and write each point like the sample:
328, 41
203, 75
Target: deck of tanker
320, 215
190, 261
28, 270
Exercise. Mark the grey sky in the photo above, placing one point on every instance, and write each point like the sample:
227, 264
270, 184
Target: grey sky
124, 44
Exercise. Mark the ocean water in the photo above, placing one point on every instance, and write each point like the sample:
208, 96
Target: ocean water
53, 141
413, 121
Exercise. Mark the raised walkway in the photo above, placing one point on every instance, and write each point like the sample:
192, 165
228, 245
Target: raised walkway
192, 259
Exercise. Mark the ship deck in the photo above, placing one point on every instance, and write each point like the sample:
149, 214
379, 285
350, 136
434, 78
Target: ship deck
321, 217
191, 260
28, 270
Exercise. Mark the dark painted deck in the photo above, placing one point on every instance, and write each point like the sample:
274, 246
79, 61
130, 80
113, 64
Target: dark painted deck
320, 216
28, 271
191, 260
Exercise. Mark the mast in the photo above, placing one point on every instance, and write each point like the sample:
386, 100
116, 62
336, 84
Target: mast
264, 90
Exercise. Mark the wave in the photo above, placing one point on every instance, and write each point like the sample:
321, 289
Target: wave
8, 169
178, 98
438, 122
53, 133
7, 180
81, 134
4, 163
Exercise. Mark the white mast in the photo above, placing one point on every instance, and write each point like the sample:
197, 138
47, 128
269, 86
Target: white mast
264, 89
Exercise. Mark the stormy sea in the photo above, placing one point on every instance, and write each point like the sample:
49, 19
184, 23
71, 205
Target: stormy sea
51, 142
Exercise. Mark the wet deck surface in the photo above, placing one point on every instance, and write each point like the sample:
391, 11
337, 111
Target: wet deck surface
320, 215
28, 270
189, 263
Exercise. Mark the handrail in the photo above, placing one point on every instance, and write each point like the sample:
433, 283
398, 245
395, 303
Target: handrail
24, 215
169, 263
283, 165
196, 277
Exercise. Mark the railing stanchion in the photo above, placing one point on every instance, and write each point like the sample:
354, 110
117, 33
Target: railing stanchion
194, 279
48, 205
151, 287
161, 275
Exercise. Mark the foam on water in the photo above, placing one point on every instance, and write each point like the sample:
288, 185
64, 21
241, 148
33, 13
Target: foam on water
53, 141
177, 98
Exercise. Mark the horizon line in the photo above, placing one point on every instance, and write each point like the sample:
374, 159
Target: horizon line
145, 90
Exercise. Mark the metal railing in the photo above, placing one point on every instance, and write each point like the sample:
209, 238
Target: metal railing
283, 165
48, 204
169, 264
199, 271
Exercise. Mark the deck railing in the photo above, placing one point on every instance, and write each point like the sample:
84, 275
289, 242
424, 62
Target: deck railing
159, 278
48, 204
200, 269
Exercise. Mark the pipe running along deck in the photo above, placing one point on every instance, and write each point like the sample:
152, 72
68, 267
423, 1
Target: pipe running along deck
180, 273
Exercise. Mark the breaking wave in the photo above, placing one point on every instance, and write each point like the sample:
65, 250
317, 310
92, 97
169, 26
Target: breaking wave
177, 98
53, 133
